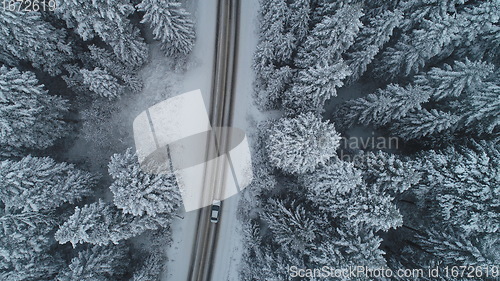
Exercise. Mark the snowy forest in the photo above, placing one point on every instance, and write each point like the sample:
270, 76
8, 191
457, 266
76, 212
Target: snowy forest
382, 145
74, 204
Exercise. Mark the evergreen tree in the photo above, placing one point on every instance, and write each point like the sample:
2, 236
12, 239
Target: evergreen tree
293, 229
451, 81
336, 177
150, 269
300, 144
138, 193
314, 86
101, 223
392, 103
356, 246
24, 246
412, 52
110, 63
109, 21
479, 25
423, 123
102, 83
29, 117
271, 84
171, 25
371, 39
97, 263
34, 184
331, 37
456, 249
26, 37
300, 19
463, 182
480, 109
274, 32
388, 172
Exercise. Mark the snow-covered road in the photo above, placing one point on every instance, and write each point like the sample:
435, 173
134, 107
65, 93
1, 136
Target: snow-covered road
229, 246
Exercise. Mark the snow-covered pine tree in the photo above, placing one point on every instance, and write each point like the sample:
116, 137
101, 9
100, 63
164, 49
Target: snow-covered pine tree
479, 111
293, 228
102, 83
453, 248
271, 84
412, 52
150, 269
380, 108
352, 246
97, 263
300, 19
480, 31
314, 86
388, 172
100, 223
274, 32
298, 145
451, 81
171, 24
421, 123
109, 20
331, 37
24, 240
108, 61
464, 182
29, 117
336, 177
370, 40
27, 37
34, 184
137, 192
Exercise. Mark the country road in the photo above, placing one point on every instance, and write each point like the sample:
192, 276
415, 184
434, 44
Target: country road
201, 250
202, 257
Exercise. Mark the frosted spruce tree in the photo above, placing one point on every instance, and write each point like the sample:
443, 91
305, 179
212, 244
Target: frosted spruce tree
97, 263
384, 106
101, 223
109, 21
314, 86
292, 228
331, 37
29, 116
464, 184
319, 60
388, 172
25, 36
353, 246
337, 177
24, 245
102, 83
35, 184
137, 192
108, 61
340, 192
370, 40
150, 269
171, 24
298, 145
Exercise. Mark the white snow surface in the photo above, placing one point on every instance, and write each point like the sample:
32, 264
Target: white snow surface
229, 245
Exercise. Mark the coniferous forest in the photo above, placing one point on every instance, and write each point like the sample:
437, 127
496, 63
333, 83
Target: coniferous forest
64, 68
386, 151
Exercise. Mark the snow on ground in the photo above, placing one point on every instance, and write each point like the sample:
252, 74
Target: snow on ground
199, 76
